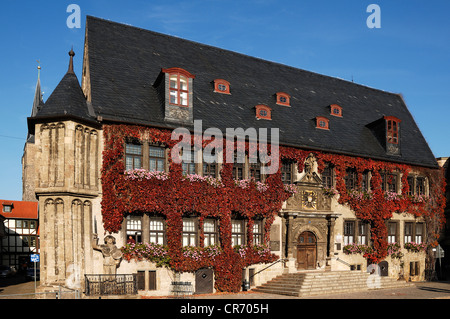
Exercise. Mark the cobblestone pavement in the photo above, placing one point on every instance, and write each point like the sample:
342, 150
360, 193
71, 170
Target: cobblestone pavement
422, 290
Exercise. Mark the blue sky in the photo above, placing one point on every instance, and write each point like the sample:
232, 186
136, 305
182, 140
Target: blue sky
409, 54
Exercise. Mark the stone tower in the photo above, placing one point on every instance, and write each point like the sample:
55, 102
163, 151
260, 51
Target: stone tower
61, 171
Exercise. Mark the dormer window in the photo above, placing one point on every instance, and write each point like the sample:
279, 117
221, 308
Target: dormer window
336, 110
283, 99
179, 87
322, 123
392, 129
263, 112
7, 207
221, 86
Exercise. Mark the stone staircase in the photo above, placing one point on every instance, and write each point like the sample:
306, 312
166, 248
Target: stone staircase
304, 284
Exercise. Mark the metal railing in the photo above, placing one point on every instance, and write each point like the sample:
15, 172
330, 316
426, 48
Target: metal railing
123, 284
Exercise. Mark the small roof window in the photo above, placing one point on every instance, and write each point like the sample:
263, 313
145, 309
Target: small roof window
7, 207
263, 112
221, 86
336, 110
322, 123
283, 99
392, 129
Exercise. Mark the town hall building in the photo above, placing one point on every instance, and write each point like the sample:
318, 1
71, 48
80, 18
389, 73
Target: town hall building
356, 186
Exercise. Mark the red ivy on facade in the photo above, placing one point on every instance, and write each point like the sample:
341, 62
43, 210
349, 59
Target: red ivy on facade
177, 197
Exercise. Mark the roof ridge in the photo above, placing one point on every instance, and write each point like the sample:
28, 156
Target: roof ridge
237, 53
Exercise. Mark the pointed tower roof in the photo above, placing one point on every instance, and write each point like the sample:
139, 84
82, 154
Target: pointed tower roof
67, 100
38, 101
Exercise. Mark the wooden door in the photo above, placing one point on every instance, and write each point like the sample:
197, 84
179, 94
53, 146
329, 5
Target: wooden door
306, 251
204, 281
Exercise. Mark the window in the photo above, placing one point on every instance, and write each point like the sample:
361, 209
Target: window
336, 110
134, 228
408, 232
392, 129
133, 156
410, 184
327, 176
263, 112
156, 158
179, 86
237, 232
417, 185
255, 169
238, 166
189, 232
392, 232
363, 232
365, 183
157, 230
283, 99
389, 182
210, 232
349, 232
187, 163
419, 233
7, 208
350, 178
322, 123
258, 232
221, 86
210, 169
420, 186
286, 171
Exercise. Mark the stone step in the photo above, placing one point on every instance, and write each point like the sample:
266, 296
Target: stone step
316, 283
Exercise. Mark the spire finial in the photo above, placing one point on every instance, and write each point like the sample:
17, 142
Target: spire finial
39, 68
71, 54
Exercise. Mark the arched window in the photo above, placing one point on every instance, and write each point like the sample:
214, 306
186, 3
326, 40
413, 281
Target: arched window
263, 112
392, 129
322, 123
179, 87
221, 86
336, 110
283, 99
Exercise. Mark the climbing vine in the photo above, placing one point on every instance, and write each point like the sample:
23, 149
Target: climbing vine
174, 196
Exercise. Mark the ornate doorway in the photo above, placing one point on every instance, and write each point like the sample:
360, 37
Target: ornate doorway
306, 251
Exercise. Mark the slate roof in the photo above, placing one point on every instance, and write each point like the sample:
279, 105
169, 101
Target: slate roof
125, 61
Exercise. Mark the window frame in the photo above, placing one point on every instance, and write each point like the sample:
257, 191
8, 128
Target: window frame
349, 232
158, 233
351, 177
192, 235
262, 107
179, 72
238, 238
157, 158
135, 232
133, 156
392, 129
208, 235
334, 108
328, 180
283, 95
319, 120
287, 171
218, 83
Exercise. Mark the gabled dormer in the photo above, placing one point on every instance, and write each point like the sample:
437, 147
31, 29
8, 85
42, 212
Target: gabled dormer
387, 132
175, 89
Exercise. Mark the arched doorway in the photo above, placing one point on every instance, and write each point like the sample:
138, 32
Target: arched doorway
306, 251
